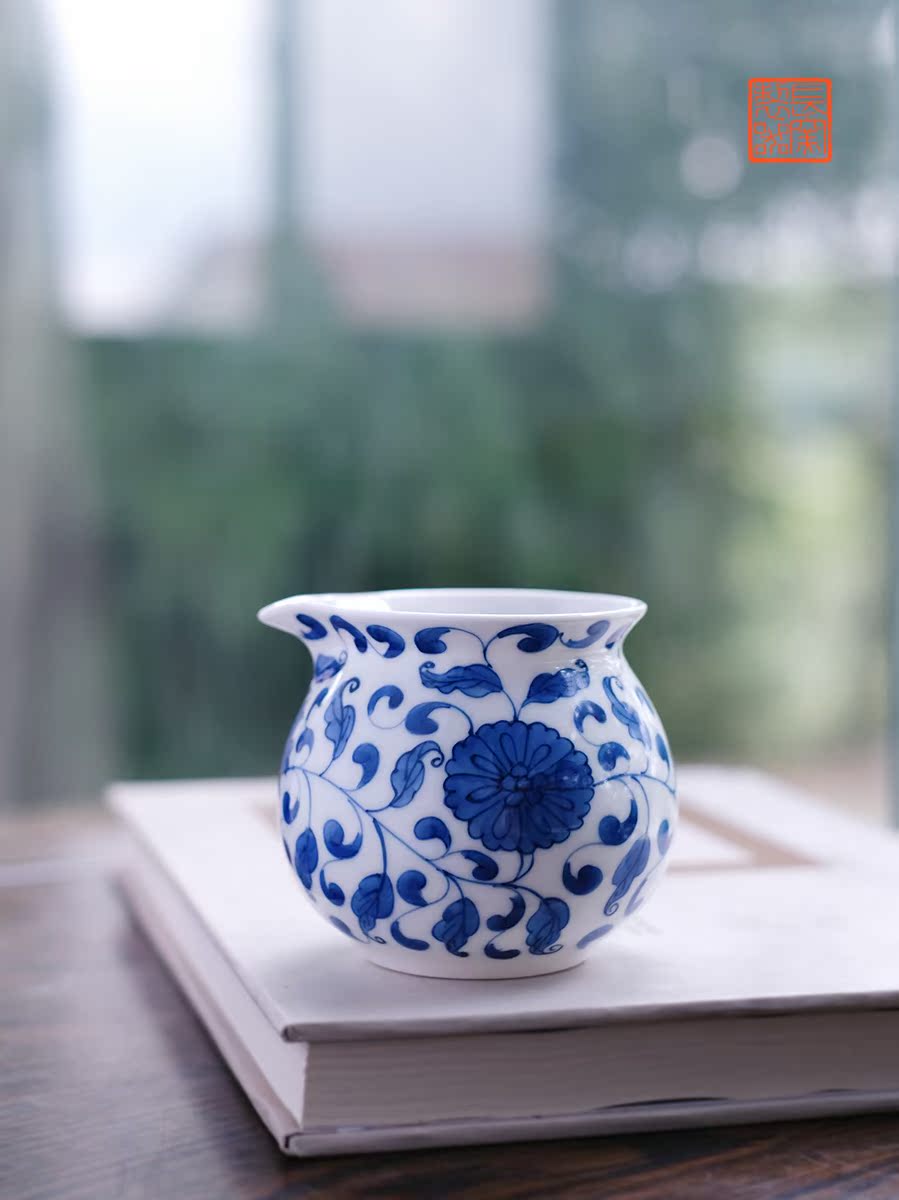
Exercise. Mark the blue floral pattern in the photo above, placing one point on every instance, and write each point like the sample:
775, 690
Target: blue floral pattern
519, 786
544, 823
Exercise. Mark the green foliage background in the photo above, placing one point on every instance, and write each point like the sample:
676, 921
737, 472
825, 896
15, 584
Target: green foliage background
636, 441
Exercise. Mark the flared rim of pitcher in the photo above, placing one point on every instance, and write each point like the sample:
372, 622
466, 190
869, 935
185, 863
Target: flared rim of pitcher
524, 605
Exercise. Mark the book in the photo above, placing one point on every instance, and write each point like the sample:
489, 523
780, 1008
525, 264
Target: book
762, 981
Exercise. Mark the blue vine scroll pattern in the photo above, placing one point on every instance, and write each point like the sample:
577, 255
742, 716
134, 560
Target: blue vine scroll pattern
513, 788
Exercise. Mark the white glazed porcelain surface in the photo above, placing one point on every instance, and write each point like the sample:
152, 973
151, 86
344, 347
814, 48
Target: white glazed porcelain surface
476, 785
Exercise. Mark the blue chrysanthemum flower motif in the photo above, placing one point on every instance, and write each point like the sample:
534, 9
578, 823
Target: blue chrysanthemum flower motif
519, 786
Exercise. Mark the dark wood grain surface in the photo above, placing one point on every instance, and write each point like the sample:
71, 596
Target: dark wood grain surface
110, 1087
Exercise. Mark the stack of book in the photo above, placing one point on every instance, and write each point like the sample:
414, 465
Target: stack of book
761, 982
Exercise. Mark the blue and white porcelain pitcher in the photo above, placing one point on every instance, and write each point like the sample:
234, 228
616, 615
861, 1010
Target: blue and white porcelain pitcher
476, 785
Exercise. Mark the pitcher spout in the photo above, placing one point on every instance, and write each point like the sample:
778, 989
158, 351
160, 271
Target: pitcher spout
283, 615
314, 621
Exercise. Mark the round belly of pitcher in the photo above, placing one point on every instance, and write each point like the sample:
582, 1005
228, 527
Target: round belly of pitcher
481, 800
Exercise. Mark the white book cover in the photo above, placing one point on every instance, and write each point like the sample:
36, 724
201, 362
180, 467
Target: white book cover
774, 905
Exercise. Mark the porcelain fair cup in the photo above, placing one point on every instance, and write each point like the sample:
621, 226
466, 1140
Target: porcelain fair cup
476, 785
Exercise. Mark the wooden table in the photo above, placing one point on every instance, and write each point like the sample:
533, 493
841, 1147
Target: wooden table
111, 1088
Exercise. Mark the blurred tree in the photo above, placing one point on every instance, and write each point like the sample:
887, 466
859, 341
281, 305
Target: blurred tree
616, 445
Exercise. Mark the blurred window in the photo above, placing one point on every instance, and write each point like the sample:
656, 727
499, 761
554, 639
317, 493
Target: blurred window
304, 296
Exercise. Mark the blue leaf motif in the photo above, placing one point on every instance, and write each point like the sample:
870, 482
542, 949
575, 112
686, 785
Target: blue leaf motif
335, 844
645, 700
594, 633
419, 720
333, 891
289, 810
623, 711
631, 866
358, 637
326, 667
588, 708
547, 687
410, 943
316, 703
305, 857
475, 680
391, 692
508, 921
585, 881
494, 952
638, 898
594, 935
409, 887
663, 750
372, 900
408, 775
314, 629
613, 832
485, 867
340, 718
432, 827
546, 924
305, 741
458, 923
664, 838
537, 636
394, 641
343, 927
430, 641
609, 754
368, 758
288, 745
